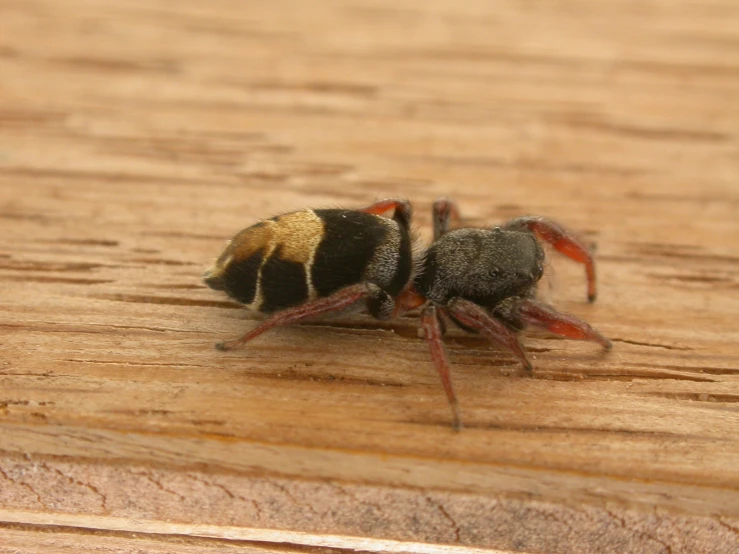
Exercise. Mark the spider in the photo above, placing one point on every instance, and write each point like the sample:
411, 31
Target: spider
485, 281
311, 262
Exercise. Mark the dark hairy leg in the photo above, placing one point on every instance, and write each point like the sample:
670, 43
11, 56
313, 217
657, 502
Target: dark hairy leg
473, 316
533, 312
444, 210
432, 331
336, 302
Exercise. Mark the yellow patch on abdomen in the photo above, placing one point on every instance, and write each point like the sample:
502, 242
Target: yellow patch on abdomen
295, 236
298, 234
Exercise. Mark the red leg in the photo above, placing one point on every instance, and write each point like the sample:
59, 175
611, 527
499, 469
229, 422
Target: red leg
432, 331
563, 241
443, 210
473, 316
401, 209
542, 315
337, 301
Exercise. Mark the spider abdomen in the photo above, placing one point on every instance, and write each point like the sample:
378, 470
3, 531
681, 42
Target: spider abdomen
484, 266
296, 257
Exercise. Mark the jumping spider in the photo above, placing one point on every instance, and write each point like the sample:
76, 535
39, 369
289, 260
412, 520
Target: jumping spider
485, 281
310, 262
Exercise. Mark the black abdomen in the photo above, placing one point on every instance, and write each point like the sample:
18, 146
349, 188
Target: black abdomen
352, 241
290, 259
282, 283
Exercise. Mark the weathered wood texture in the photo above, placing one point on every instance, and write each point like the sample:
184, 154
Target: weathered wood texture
137, 135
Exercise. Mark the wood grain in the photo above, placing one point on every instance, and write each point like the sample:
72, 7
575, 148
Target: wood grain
136, 136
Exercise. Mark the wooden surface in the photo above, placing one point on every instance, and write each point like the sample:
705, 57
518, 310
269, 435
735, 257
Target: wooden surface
137, 135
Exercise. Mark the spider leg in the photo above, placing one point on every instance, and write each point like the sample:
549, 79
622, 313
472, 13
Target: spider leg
443, 210
402, 210
473, 316
533, 312
433, 333
337, 301
563, 240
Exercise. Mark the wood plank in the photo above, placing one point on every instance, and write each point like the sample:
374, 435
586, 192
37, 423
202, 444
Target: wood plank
30, 539
137, 136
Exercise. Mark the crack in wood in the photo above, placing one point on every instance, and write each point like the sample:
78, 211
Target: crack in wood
284, 489
343, 490
38, 265
135, 363
650, 344
80, 242
440, 507
227, 492
23, 484
667, 548
168, 300
696, 396
149, 477
733, 530
103, 498
54, 280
